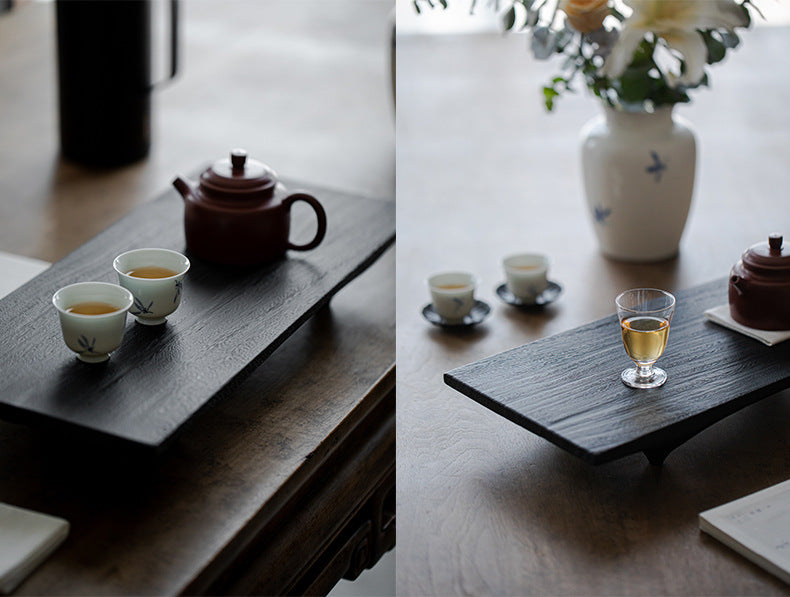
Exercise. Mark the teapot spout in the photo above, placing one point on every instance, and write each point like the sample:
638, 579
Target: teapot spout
182, 187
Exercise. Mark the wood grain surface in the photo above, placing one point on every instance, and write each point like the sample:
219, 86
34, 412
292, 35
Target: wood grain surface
567, 387
486, 507
229, 321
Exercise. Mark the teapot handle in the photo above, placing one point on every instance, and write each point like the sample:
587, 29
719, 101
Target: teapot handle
320, 215
735, 283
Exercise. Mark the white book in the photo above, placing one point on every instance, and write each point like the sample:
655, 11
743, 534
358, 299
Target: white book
756, 526
26, 539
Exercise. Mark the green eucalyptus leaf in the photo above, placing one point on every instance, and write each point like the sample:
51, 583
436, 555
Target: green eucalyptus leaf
543, 42
635, 84
729, 38
616, 14
716, 49
532, 18
643, 55
509, 18
549, 95
747, 15
564, 37
569, 63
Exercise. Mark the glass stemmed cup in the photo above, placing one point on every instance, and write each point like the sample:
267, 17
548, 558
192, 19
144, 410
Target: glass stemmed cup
645, 315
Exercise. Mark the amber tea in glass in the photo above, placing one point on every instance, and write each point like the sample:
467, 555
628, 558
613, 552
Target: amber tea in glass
645, 315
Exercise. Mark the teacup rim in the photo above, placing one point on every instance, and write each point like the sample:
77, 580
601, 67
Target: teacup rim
115, 262
473, 281
128, 296
542, 257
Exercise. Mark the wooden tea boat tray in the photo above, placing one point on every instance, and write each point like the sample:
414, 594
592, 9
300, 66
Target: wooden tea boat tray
229, 321
567, 388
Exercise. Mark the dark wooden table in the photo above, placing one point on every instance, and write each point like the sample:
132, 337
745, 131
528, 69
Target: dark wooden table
287, 483
486, 507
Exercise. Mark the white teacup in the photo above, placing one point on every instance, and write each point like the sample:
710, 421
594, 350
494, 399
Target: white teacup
452, 294
155, 278
526, 275
92, 318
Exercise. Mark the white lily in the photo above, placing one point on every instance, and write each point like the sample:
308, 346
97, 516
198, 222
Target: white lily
676, 23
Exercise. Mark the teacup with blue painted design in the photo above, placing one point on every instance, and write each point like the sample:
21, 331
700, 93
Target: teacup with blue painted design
452, 295
155, 278
526, 275
92, 318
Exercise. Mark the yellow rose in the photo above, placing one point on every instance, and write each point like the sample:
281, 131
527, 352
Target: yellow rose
585, 15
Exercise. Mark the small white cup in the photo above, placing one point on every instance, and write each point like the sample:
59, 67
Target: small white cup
92, 337
154, 298
452, 294
526, 275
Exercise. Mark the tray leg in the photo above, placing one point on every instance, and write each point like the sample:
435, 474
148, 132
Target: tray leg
658, 453
656, 456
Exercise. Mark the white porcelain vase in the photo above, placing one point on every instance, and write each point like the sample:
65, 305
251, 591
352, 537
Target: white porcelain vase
638, 171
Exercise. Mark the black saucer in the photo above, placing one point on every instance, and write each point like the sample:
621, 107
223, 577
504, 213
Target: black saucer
479, 312
549, 295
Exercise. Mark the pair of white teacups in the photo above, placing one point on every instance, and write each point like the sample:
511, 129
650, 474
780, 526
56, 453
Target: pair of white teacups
452, 293
150, 300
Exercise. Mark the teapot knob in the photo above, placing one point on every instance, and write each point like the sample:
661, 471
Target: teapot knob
237, 158
775, 241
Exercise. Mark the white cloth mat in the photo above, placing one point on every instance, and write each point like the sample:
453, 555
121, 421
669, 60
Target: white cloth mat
721, 315
16, 270
26, 539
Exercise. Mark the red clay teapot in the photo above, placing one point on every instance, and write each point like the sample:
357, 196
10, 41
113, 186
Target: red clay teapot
759, 289
240, 214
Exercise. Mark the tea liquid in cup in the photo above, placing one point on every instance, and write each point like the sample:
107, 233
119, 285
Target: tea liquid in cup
155, 278
526, 275
92, 318
452, 294
151, 271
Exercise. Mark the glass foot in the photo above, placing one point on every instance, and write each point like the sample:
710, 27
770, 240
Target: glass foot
632, 380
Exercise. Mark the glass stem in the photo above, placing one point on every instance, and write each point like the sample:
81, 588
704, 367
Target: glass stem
644, 371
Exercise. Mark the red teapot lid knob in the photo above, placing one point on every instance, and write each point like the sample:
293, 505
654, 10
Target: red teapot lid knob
238, 177
775, 241
238, 157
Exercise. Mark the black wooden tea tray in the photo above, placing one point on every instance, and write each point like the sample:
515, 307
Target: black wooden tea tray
567, 388
229, 321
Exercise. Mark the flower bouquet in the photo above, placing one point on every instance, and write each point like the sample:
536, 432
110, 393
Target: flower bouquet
636, 55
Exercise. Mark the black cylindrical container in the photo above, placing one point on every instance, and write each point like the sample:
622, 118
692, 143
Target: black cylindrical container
104, 76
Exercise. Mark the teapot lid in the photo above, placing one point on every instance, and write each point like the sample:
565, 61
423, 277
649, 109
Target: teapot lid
770, 256
238, 177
